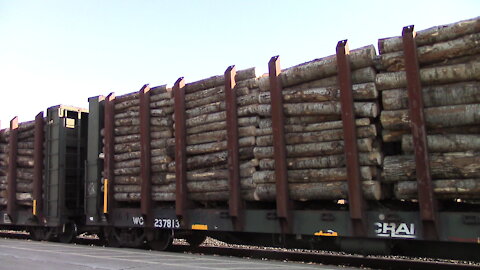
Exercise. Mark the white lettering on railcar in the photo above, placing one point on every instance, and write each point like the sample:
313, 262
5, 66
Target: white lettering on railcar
394, 230
138, 221
166, 223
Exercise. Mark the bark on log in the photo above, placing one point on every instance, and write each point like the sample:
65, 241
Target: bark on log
124, 115
126, 147
25, 126
161, 159
27, 134
25, 152
435, 117
314, 175
166, 94
162, 103
210, 118
396, 135
160, 134
443, 189
222, 125
127, 164
126, 156
199, 196
319, 191
161, 112
161, 122
217, 173
207, 160
126, 97
25, 161
431, 76
365, 159
432, 35
159, 143
127, 171
317, 136
321, 68
438, 52
434, 96
128, 130
126, 105
311, 123
314, 149
126, 122
126, 139
25, 145
442, 166
220, 135
219, 80
445, 143
216, 146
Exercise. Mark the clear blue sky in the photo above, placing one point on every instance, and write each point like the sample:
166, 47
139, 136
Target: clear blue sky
62, 52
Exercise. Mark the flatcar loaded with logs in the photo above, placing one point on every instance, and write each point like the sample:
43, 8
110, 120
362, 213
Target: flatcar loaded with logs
357, 151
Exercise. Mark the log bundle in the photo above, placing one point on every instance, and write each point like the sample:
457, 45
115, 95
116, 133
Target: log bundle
449, 61
24, 163
314, 130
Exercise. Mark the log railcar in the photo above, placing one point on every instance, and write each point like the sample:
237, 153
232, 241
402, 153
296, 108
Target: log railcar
79, 183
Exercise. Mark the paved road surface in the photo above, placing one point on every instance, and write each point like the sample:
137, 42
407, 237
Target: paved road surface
31, 255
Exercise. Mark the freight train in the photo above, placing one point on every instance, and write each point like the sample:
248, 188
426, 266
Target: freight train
358, 152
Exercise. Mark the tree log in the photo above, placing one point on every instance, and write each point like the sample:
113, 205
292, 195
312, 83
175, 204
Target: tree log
432, 35
365, 159
127, 104
217, 173
435, 117
165, 94
126, 147
431, 76
222, 125
317, 136
445, 143
217, 146
25, 161
314, 175
126, 130
162, 122
125, 115
396, 135
25, 152
442, 166
241, 88
127, 164
438, 52
126, 139
434, 96
162, 103
443, 189
159, 143
126, 156
314, 149
218, 80
126, 122
161, 112
126, 171
319, 191
311, 123
321, 68
161, 134
207, 160
220, 135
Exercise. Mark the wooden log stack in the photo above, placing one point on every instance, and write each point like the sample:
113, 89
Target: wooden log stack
449, 61
25, 163
4, 137
314, 130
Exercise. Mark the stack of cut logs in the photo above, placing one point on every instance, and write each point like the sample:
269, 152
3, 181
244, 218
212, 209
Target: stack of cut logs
25, 162
206, 136
3, 165
313, 130
449, 58
127, 142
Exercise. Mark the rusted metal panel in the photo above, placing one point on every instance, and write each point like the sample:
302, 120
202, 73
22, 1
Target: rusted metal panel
426, 197
278, 122
12, 170
108, 151
38, 164
180, 148
145, 154
236, 207
356, 201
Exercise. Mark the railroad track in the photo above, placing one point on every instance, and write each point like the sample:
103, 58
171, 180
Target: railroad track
316, 257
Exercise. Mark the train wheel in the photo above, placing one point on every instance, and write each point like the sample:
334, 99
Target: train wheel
38, 234
111, 237
68, 233
195, 240
161, 240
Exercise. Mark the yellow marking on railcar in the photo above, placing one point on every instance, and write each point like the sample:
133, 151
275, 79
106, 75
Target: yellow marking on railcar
34, 208
200, 227
326, 233
105, 196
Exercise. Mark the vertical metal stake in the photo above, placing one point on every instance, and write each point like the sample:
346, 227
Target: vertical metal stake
426, 198
38, 164
180, 149
145, 155
356, 202
284, 203
236, 202
12, 170
108, 149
